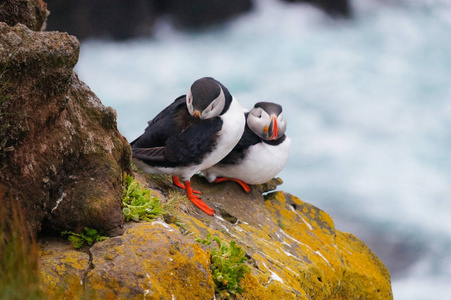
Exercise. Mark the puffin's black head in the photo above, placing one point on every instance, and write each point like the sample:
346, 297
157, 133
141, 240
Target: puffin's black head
206, 98
266, 120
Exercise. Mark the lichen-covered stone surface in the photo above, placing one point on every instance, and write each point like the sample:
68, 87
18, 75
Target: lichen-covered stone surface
293, 248
153, 260
150, 260
61, 155
63, 269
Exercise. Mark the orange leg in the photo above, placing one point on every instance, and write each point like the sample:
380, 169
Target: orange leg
244, 185
176, 182
197, 201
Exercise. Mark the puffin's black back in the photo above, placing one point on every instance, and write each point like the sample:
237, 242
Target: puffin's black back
175, 138
168, 122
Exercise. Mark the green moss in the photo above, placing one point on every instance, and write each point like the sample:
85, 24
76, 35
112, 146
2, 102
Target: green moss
138, 203
227, 265
90, 237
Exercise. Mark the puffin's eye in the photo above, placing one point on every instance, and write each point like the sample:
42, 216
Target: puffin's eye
212, 107
189, 100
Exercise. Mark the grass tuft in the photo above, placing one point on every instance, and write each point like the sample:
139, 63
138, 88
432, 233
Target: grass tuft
19, 257
227, 265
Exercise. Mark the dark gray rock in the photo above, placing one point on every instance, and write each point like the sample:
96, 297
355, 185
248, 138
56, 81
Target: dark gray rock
114, 19
335, 8
201, 13
120, 20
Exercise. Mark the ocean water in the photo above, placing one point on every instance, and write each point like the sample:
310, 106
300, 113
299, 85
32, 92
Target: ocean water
368, 105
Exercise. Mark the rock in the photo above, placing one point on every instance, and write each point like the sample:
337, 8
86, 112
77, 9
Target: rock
293, 241
336, 8
63, 269
339, 8
201, 13
31, 13
293, 249
115, 19
120, 20
150, 260
137, 18
61, 155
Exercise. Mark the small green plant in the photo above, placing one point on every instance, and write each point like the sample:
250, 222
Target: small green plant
138, 203
227, 265
90, 237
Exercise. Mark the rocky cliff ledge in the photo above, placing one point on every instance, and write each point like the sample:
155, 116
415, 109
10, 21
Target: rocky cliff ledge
292, 247
62, 160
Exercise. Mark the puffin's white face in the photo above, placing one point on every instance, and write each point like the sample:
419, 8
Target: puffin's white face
214, 109
266, 126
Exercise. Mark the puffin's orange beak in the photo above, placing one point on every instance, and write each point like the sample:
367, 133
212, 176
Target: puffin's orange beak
196, 114
273, 128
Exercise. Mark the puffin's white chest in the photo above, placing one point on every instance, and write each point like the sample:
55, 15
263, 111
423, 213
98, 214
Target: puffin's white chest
261, 163
229, 136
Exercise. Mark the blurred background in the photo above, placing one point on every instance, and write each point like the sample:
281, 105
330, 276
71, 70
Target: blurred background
365, 87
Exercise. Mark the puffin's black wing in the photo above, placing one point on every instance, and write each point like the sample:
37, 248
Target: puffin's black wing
150, 154
170, 121
183, 148
191, 145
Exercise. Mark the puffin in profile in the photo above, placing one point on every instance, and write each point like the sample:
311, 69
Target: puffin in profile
262, 151
193, 133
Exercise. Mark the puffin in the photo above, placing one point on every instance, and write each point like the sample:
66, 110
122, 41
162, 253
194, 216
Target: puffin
262, 151
193, 133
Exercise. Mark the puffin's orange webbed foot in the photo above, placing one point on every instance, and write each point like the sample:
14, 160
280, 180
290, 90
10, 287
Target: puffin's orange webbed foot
176, 182
244, 185
197, 201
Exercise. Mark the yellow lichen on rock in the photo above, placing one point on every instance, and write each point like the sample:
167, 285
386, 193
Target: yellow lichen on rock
297, 252
62, 270
293, 249
364, 274
155, 262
